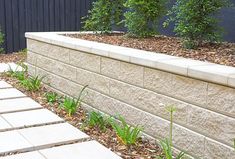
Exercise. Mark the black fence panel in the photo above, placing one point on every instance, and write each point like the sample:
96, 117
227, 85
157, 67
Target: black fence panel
20, 16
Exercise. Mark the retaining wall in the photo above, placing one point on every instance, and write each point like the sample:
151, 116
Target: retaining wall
139, 85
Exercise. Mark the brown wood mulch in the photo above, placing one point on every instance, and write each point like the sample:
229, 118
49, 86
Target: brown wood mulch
144, 149
219, 53
13, 57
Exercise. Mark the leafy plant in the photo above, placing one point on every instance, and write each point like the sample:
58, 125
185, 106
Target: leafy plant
97, 119
32, 83
51, 97
1, 41
104, 15
143, 16
70, 105
128, 135
17, 73
195, 21
166, 144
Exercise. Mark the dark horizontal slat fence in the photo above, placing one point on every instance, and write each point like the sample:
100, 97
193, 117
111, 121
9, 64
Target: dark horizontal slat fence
20, 16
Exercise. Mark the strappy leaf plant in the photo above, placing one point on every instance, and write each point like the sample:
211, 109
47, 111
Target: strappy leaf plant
97, 119
127, 134
70, 105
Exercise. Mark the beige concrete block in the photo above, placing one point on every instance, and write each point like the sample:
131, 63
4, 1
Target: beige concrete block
31, 58
158, 81
189, 141
57, 67
85, 60
123, 71
221, 99
216, 150
148, 101
212, 124
31, 70
190, 90
93, 80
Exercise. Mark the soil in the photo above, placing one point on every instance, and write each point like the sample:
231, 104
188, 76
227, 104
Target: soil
144, 149
219, 53
13, 57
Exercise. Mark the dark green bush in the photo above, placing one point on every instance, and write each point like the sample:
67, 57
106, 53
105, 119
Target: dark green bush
143, 16
1, 41
104, 15
195, 20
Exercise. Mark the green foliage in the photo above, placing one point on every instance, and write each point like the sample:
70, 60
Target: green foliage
128, 135
33, 83
97, 119
51, 97
70, 105
143, 16
1, 41
17, 73
195, 21
104, 15
167, 143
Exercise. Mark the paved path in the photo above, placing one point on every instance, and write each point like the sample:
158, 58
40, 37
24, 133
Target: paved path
27, 131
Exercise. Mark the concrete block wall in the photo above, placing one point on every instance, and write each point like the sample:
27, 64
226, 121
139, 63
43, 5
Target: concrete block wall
135, 87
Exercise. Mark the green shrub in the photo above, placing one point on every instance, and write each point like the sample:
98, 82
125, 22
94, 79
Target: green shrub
70, 105
143, 16
195, 21
1, 41
166, 144
128, 135
97, 119
104, 15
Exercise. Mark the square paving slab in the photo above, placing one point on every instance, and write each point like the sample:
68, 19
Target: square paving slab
12, 141
10, 93
50, 135
85, 150
28, 155
3, 84
31, 118
18, 104
4, 125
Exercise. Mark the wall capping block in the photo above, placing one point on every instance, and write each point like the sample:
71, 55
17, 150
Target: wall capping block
139, 85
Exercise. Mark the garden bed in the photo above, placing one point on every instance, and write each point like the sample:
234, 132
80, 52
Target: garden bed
220, 53
144, 149
13, 57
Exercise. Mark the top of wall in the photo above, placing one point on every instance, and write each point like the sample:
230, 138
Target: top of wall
206, 71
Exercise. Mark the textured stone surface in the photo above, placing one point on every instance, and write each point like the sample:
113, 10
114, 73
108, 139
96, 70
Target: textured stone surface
187, 89
51, 135
85, 60
31, 70
93, 80
216, 150
148, 101
212, 124
221, 99
31, 58
123, 71
34, 117
57, 67
188, 140
85, 150
18, 104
